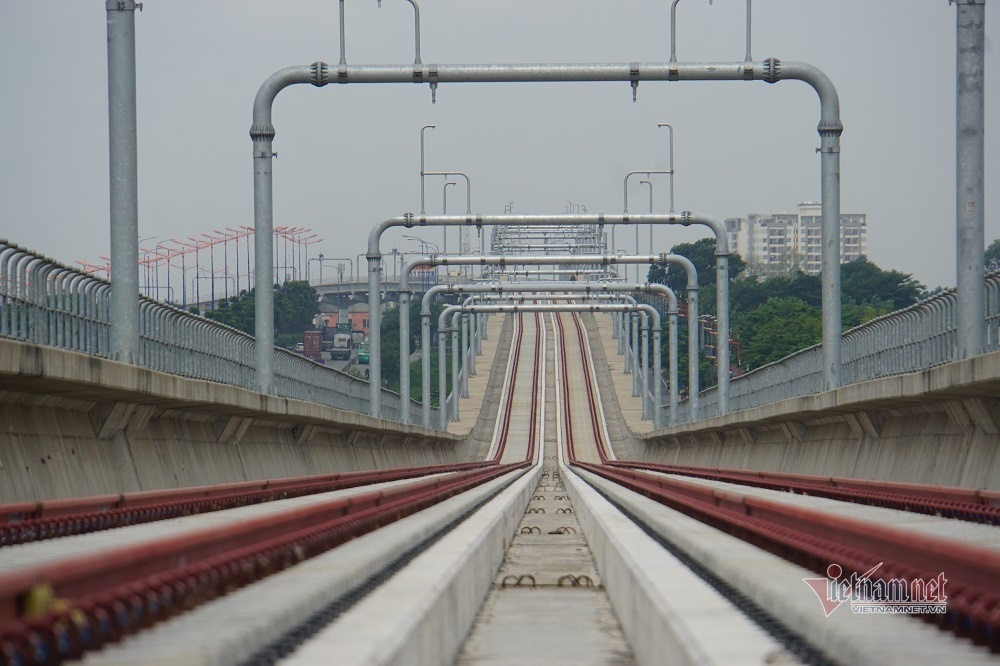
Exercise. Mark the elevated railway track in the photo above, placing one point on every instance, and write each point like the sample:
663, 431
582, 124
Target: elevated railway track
551, 544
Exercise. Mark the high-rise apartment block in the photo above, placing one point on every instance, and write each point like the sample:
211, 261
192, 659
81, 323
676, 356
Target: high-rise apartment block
784, 242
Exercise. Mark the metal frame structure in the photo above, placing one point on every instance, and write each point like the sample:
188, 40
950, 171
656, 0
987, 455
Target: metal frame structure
569, 289
969, 148
404, 309
686, 218
592, 307
771, 70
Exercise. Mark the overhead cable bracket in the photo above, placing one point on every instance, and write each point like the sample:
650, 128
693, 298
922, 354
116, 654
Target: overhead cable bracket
432, 74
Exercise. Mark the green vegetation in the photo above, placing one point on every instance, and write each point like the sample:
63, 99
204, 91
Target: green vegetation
296, 304
993, 256
772, 317
390, 351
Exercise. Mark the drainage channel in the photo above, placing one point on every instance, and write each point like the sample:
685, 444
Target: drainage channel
547, 603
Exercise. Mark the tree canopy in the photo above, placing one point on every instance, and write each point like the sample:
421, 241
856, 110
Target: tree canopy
773, 316
296, 304
993, 256
701, 253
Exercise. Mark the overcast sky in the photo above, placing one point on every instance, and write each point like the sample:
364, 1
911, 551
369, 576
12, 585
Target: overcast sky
349, 155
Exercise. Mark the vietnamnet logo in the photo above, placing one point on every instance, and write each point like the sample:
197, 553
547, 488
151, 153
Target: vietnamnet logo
868, 595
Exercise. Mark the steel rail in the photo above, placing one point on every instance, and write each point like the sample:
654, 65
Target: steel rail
57, 611
977, 506
603, 446
509, 396
591, 398
813, 539
25, 522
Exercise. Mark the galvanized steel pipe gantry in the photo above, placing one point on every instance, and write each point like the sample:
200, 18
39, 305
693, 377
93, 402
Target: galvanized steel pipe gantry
608, 260
771, 70
575, 289
649, 310
686, 218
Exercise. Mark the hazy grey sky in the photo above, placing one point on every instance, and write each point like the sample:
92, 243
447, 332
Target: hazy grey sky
349, 155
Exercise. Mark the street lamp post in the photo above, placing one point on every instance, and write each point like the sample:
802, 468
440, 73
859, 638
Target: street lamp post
648, 173
145, 260
671, 128
340, 279
444, 211
650, 226
424, 245
422, 211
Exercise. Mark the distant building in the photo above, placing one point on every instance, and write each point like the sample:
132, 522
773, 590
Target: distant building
784, 242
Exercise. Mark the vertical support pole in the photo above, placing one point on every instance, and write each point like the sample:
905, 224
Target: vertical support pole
629, 335
635, 348
722, 311
425, 368
644, 366
969, 213
672, 343
124, 181
442, 378
830, 167
404, 356
473, 344
694, 355
374, 335
456, 379
263, 239
658, 381
465, 356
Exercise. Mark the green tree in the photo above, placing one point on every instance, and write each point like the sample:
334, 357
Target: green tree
391, 349
701, 253
861, 281
778, 328
993, 256
237, 312
296, 304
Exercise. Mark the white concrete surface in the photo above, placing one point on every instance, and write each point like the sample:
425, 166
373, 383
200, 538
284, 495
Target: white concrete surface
422, 614
231, 629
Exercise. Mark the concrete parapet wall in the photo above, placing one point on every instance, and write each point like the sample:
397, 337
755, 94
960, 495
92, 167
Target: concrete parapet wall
938, 426
72, 424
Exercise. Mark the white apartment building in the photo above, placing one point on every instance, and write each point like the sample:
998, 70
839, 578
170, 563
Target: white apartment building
783, 242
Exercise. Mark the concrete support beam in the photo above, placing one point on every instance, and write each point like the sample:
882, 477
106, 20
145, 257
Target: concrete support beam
865, 423
232, 428
110, 419
984, 413
795, 431
140, 418
303, 433
959, 417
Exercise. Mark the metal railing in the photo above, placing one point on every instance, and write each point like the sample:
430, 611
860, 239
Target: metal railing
915, 338
49, 304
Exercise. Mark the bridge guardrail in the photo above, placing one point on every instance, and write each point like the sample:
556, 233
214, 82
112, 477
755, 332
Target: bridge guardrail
918, 337
46, 303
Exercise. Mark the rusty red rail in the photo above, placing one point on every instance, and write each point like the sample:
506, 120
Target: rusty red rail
34, 521
104, 596
595, 423
509, 399
90, 601
969, 504
816, 539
